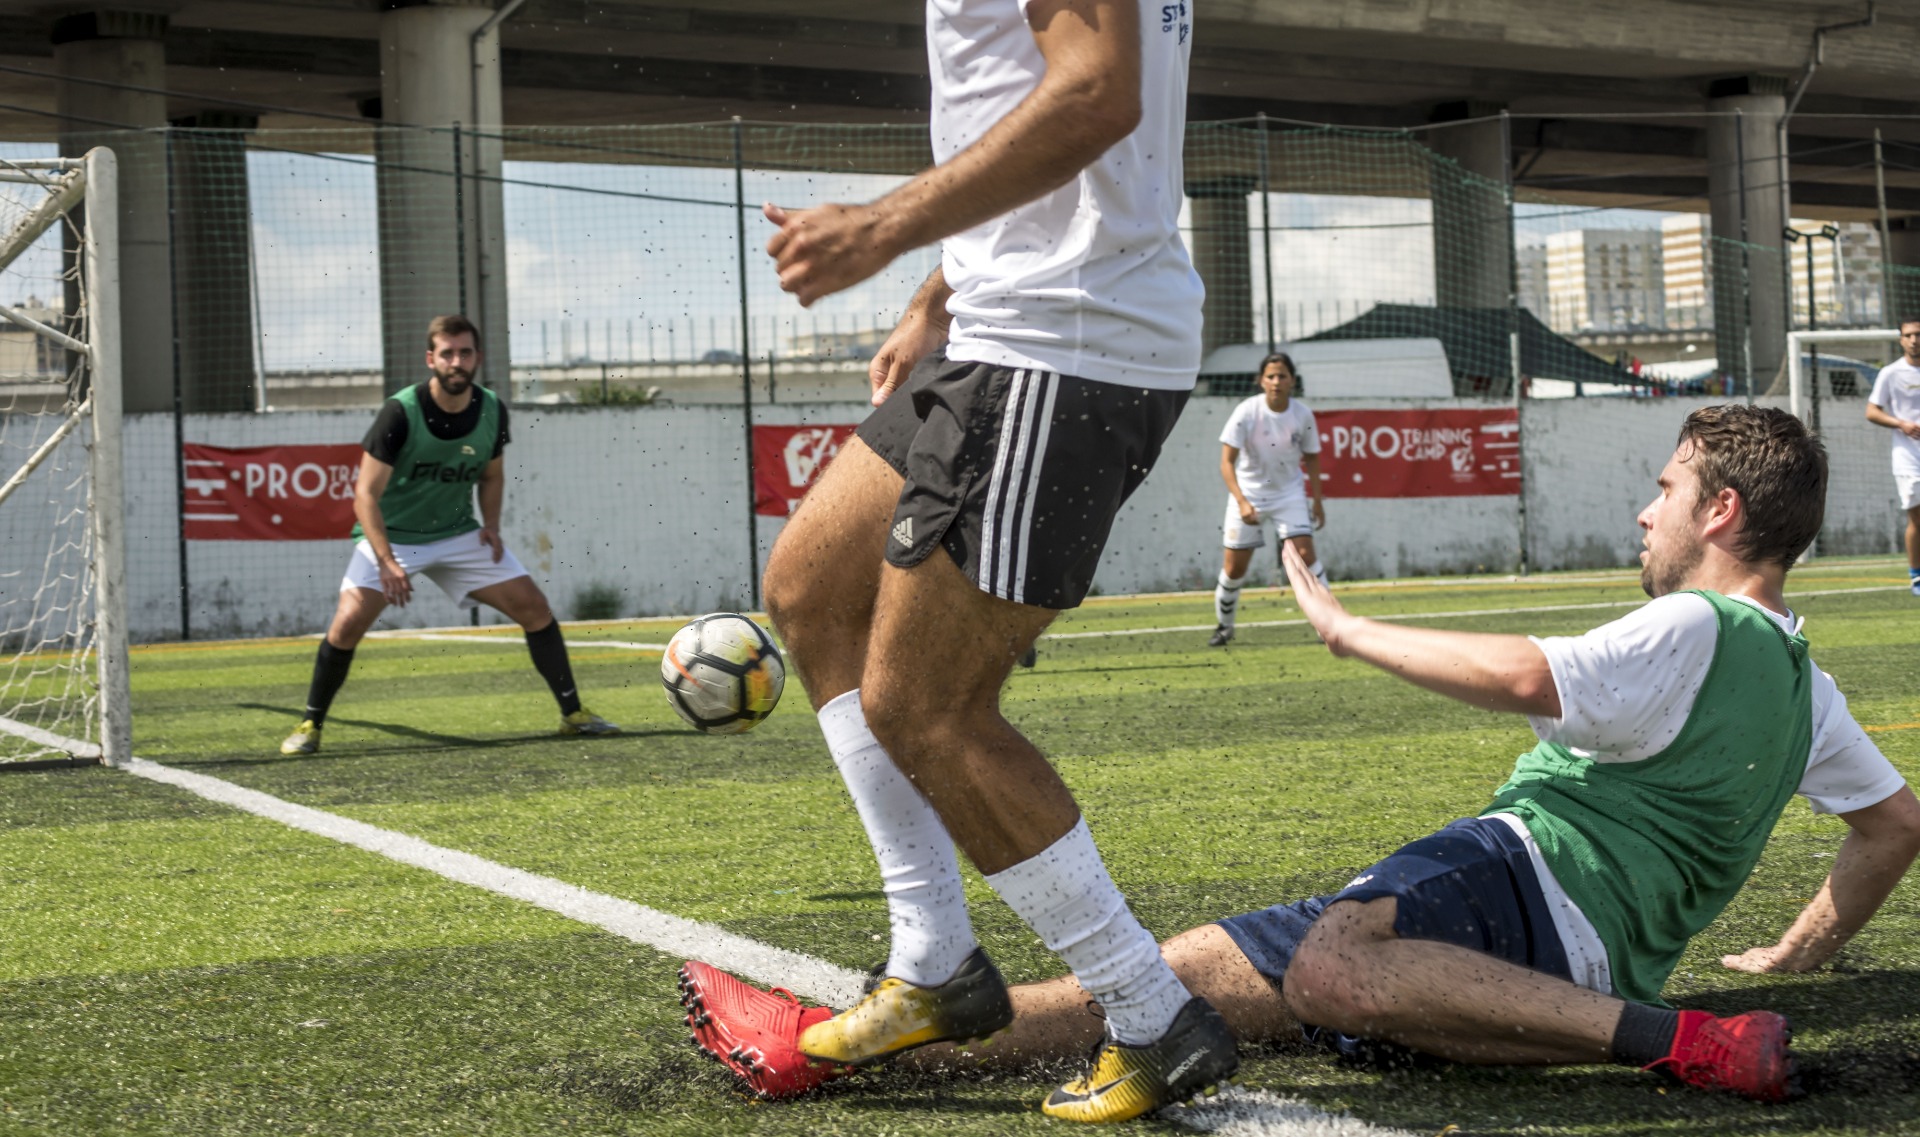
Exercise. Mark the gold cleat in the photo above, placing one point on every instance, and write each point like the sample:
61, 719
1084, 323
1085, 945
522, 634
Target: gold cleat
584, 721
1195, 1055
897, 1016
305, 739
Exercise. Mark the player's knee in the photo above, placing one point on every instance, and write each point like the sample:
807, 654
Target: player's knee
785, 589
1327, 981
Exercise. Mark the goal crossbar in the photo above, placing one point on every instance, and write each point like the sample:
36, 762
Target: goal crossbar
70, 190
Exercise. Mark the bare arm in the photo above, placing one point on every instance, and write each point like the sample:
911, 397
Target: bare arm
1311, 464
493, 491
1497, 673
367, 488
919, 334
1882, 841
1878, 416
1228, 456
1088, 99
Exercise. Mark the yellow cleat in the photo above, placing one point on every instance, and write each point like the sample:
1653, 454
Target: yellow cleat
896, 1016
1197, 1053
584, 721
305, 739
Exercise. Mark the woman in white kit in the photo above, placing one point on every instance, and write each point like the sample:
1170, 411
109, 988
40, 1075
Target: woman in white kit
1267, 441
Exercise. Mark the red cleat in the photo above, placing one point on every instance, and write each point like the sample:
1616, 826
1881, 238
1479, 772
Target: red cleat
1746, 1054
754, 1032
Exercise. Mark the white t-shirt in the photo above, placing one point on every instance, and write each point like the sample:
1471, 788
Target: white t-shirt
1626, 689
1896, 390
1091, 279
1271, 444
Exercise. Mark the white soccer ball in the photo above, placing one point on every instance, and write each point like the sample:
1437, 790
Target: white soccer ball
723, 673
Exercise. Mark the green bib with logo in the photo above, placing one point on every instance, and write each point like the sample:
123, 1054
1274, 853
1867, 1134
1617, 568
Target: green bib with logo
430, 496
1651, 851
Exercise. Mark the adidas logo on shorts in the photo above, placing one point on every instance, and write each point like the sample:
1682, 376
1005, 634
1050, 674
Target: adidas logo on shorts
903, 532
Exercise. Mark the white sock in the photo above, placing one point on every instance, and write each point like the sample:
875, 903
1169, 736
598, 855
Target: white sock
1065, 894
926, 903
1226, 599
1318, 570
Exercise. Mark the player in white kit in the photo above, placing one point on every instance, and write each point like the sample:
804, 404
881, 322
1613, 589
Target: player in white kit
1268, 440
1895, 403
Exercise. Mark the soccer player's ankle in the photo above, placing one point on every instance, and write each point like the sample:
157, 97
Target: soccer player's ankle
925, 964
1913, 573
317, 716
1644, 1034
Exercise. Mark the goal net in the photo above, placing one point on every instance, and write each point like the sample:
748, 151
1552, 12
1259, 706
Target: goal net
1830, 376
63, 642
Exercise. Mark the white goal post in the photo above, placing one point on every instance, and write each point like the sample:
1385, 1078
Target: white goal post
64, 677
1797, 344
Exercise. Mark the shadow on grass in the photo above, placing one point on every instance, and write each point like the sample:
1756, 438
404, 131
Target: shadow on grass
434, 738
1108, 670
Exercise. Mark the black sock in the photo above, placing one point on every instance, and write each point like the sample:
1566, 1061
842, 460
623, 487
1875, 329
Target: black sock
329, 671
549, 651
1645, 1034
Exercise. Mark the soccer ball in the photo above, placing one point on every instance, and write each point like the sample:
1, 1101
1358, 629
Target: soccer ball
722, 673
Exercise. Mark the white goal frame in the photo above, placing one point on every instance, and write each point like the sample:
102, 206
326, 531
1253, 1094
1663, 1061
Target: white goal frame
1797, 342
98, 187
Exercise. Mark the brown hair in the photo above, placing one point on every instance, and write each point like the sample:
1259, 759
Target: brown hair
451, 326
1776, 465
1908, 320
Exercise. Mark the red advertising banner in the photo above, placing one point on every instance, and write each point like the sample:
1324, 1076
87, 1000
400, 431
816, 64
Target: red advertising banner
270, 493
1428, 453
787, 459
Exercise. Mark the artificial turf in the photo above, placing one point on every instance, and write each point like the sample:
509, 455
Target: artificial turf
168, 965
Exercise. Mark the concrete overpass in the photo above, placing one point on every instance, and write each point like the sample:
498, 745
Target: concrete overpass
1613, 102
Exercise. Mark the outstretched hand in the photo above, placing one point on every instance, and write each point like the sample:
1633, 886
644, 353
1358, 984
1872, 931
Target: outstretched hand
820, 251
1758, 960
1317, 604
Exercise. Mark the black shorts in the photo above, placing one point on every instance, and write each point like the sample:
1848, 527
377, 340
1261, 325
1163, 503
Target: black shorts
1017, 473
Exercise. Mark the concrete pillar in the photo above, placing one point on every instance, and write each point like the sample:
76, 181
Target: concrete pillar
442, 237
1222, 255
213, 263
1472, 223
1744, 170
125, 47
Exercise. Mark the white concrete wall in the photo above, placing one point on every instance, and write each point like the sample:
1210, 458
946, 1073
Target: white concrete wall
654, 503
1590, 467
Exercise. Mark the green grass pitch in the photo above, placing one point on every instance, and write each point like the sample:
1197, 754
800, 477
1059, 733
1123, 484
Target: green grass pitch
169, 965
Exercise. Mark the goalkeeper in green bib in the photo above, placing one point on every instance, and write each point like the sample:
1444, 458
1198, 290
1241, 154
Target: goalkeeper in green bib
1542, 930
432, 450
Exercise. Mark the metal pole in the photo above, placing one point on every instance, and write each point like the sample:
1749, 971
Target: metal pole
746, 357
179, 411
460, 217
107, 506
1266, 227
1746, 254
1513, 331
1887, 314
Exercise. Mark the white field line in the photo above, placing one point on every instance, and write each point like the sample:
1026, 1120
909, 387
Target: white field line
1111, 633
1235, 1112
47, 738
674, 935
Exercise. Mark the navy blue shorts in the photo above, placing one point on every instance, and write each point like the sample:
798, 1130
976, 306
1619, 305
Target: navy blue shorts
1471, 884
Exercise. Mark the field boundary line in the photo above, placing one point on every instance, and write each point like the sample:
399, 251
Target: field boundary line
673, 935
1111, 633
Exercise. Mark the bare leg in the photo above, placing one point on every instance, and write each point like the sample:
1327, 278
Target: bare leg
1305, 545
358, 609
939, 652
1051, 1020
1353, 973
1913, 537
825, 571
519, 600
1236, 562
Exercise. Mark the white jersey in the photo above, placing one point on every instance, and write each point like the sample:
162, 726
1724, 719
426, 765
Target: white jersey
1271, 445
1626, 689
1896, 390
1092, 279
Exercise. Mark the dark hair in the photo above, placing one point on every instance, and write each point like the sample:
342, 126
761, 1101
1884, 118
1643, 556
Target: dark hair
1776, 465
451, 326
1908, 320
1282, 357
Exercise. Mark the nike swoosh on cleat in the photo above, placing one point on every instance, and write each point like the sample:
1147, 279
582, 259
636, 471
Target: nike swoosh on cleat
1121, 1080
